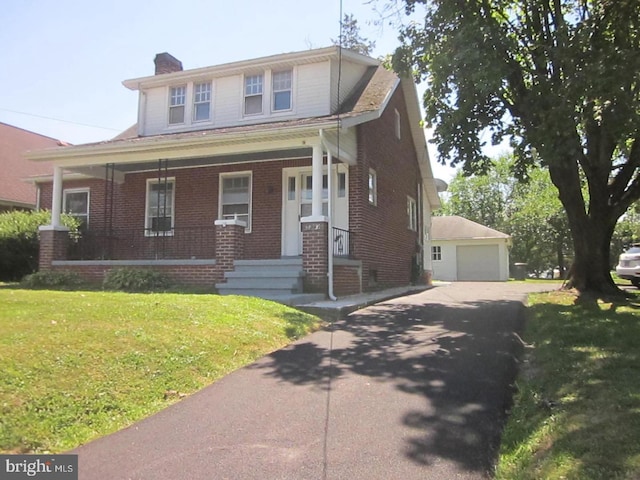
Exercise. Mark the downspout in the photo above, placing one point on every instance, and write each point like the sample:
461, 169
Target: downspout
329, 222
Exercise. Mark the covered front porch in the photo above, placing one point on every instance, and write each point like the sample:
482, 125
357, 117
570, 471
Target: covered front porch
196, 216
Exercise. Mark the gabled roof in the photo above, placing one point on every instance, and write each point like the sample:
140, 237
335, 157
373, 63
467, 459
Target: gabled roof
458, 228
15, 168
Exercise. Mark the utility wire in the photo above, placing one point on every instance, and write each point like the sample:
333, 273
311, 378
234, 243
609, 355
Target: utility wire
60, 120
331, 325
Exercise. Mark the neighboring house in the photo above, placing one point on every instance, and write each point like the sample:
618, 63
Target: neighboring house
299, 172
15, 193
465, 250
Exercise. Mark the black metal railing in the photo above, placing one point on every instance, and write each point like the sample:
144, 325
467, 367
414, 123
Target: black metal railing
144, 244
342, 242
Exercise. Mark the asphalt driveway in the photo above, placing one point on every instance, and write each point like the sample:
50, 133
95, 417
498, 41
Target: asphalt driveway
411, 388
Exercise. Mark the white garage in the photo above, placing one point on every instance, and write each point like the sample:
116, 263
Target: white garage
462, 250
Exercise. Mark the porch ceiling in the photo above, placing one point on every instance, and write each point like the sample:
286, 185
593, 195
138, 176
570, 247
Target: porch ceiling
205, 161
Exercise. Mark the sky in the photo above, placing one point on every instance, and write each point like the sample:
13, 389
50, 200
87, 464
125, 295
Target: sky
63, 62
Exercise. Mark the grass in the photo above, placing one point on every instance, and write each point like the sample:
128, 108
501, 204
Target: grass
577, 410
78, 365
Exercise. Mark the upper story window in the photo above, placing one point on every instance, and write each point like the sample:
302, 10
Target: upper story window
177, 97
160, 217
253, 94
76, 203
282, 90
201, 102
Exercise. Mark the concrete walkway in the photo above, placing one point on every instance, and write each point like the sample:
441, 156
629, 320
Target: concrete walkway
411, 388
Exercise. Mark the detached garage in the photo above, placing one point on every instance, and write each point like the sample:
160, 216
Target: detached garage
462, 250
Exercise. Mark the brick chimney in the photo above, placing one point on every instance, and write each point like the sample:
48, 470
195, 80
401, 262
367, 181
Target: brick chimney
166, 63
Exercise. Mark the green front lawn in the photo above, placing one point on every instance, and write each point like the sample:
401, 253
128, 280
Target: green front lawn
79, 365
577, 411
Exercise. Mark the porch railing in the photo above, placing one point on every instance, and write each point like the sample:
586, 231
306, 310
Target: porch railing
144, 244
342, 242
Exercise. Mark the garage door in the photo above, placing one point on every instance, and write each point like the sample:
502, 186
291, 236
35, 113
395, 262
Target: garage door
478, 262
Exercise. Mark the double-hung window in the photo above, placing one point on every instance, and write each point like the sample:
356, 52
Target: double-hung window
412, 213
201, 102
282, 90
235, 197
253, 85
160, 216
177, 98
76, 204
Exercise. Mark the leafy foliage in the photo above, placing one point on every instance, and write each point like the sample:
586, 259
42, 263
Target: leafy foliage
135, 280
560, 80
19, 241
55, 279
350, 37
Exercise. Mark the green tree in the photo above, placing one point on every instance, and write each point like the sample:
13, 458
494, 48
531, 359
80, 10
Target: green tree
561, 80
350, 37
538, 224
481, 198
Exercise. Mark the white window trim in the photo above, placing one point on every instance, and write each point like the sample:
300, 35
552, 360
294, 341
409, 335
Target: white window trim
436, 251
245, 96
222, 176
372, 173
184, 105
194, 103
412, 213
273, 91
77, 190
147, 226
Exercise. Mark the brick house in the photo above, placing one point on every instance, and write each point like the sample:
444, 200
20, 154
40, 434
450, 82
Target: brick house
304, 172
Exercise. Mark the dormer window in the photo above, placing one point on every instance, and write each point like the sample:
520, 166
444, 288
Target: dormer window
253, 94
201, 102
282, 90
177, 96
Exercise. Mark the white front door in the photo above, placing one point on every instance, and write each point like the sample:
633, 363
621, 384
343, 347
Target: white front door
297, 196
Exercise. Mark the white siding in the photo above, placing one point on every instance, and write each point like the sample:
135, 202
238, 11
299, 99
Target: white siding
156, 114
448, 268
349, 77
312, 90
313, 95
227, 100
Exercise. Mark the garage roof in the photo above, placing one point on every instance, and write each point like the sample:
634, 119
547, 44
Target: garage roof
454, 227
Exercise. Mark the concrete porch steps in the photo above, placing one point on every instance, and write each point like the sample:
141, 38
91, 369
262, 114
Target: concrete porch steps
274, 279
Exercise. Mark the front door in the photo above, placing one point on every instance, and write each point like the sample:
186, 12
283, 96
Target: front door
297, 197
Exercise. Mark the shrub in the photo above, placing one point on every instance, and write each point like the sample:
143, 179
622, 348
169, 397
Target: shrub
20, 243
58, 279
135, 280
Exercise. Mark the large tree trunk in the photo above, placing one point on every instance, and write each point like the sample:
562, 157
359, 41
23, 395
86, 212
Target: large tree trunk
591, 229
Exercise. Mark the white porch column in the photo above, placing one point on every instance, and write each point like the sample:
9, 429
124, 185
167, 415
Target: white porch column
316, 195
56, 201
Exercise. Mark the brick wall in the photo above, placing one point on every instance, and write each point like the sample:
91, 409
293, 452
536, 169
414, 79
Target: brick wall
196, 205
346, 280
384, 242
314, 256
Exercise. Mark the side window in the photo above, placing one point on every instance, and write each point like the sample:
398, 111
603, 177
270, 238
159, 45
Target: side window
436, 252
412, 214
373, 187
